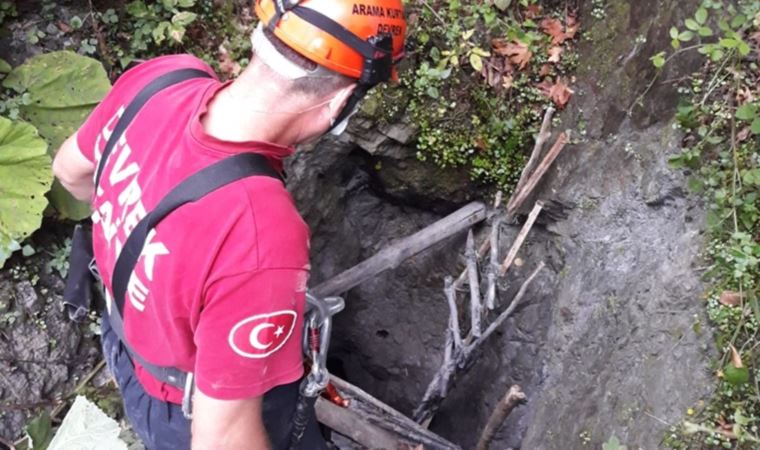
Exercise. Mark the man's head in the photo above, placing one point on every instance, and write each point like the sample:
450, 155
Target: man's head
328, 53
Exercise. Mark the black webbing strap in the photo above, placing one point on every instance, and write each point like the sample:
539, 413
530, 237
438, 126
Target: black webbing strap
194, 187
337, 30
152, 88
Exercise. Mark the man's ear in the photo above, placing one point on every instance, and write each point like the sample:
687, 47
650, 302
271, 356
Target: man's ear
339, 100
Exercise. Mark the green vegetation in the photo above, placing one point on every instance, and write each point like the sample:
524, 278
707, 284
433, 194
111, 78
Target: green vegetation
721, 120
24, 178
483, 72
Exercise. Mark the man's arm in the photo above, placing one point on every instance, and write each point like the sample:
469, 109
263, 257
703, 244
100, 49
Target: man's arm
228, 424
73, 170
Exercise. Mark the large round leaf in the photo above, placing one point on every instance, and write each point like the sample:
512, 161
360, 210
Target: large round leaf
25, 176
63, 88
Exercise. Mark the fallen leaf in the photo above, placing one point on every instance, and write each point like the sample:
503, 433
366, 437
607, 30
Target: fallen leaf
744, 95
532, 11
517, 52
730, 298
571, 26
559, 92
736, 358
742, 135
64, 27
545, 70
507, 82
554, 54
553, 27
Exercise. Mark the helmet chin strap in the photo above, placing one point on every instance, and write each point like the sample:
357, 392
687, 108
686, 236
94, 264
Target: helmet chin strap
340, 122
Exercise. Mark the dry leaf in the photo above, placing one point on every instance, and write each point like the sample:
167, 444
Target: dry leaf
517, 52
742, 135
744, 95
736, 358
545, 70
730, 298
559, 92
571, 26
507, 82
64, 27
553, 27
554, 54
532, 11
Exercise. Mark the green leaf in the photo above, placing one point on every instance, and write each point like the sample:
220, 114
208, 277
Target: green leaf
685, 36
40, 431
674, 33
738, 21
476, 62
728, 42
87, 427
658, 60
691, 24
755, 127
177, 33
169, 4
25, 176
4, 66
613, 444
137, 9
186, 3
701, 16
743, 48
705, 32
751, 177
754, 305
184, 18
432, 92
695, 184
159, 33
63, 88
735, 375
747, 111
27, 250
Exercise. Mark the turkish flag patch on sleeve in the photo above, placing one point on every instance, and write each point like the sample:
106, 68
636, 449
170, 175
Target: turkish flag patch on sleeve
261, 335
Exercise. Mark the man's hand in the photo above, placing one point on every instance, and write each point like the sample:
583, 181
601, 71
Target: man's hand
73, 170
228, 424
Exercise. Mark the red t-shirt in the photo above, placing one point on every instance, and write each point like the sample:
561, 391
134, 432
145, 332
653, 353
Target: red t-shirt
219, 288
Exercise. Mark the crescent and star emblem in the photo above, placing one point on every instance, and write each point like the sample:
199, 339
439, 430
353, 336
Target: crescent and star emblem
261, 335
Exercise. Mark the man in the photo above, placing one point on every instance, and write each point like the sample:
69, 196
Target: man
219, 287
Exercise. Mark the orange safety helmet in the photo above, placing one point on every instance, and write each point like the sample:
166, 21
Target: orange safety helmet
362, 39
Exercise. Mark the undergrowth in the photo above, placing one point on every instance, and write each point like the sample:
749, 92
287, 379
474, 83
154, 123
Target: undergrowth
720, 116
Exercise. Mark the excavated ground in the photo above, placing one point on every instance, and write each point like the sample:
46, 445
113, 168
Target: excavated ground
605, 342
608, 341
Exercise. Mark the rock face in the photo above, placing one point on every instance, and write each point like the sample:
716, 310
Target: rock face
609, 340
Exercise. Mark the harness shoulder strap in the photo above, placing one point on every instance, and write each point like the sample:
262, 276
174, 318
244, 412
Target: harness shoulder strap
142, 97
191, 189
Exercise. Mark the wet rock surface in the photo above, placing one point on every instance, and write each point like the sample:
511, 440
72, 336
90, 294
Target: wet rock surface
609, 340
43, 355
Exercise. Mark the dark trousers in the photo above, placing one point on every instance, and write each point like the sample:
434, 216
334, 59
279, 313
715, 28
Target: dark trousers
162, 426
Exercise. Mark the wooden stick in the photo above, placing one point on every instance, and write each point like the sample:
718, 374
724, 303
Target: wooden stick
535, 155
484, 246
512, 398
507, 312
351, 425
520, 196
375, 412
451, 299
403, 249
433, 397
472, 270
493, 265
512, 254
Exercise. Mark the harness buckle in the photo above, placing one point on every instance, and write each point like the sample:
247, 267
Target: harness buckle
187, 397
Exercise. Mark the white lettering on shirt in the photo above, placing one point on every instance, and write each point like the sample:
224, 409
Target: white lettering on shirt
117, 224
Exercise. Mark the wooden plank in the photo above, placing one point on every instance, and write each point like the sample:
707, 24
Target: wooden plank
519, 197
354, 427
403, 249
